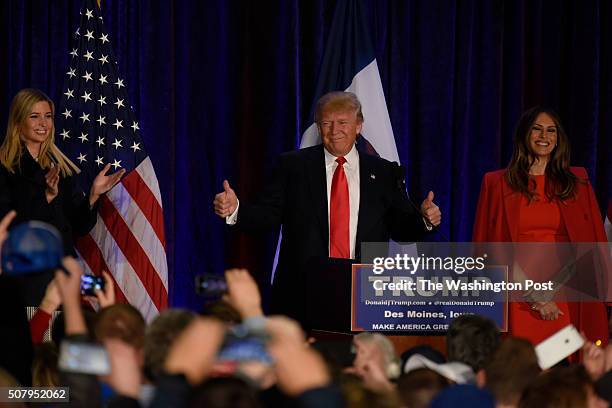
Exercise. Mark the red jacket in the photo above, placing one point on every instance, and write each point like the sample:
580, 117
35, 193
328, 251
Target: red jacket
497, 220
497, 214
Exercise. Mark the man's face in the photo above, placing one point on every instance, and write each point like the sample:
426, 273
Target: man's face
339, 130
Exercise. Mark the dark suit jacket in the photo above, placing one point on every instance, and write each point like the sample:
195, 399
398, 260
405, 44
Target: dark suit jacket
24, 192
296, 198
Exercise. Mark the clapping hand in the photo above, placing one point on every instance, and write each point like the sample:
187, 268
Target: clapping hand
103, 183
52, 179
4, 224
430, 211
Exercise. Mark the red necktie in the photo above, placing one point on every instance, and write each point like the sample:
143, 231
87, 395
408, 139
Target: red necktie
339, 214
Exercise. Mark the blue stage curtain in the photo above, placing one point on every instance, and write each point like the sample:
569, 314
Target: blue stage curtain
221, 88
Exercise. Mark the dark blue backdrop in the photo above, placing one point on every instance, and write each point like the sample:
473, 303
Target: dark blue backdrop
222, 87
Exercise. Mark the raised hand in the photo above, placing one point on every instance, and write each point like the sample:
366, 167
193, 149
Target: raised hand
105, 297
243, 293
52, 179
193, 351
431, 211
52, 299
226, 202
103, 183
298, 367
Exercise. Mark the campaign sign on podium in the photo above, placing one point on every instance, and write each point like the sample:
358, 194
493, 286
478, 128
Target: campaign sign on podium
396, 301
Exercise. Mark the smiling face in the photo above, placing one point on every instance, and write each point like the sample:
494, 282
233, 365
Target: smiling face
37, 126
543, 137
339, 131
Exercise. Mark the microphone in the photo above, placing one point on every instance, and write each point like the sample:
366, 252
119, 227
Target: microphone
400, 180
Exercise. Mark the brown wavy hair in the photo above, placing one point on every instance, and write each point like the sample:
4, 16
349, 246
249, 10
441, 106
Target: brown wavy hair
560, 181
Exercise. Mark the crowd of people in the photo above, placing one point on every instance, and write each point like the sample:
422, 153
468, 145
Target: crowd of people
231, 355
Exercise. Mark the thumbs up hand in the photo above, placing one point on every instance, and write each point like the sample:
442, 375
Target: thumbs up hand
430, 210
225, 202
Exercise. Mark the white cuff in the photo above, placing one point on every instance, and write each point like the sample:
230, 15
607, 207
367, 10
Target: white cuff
233, 218
427, 224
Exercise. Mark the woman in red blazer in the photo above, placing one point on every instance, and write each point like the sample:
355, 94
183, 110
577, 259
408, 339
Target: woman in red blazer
540, 198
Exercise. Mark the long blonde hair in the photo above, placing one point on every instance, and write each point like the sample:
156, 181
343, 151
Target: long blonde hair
13, 147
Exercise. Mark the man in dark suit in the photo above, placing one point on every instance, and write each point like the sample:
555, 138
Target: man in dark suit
329, 199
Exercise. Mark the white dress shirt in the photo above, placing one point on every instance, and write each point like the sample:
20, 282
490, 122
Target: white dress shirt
351, 169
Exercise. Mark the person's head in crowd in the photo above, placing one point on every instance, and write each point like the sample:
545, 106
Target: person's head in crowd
44, 368
471, 339
418, 387
122, 322
374, 348
224, 392
562, 387
159, 336
512, 368
221, 310
463, 395
424, 350
339, 119
357, 395
454, 371
539, 138
30, 127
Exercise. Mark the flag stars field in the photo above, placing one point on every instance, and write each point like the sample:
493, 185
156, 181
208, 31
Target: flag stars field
92, 75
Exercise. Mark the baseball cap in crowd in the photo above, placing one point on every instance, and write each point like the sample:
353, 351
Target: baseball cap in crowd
30, 247
455, 371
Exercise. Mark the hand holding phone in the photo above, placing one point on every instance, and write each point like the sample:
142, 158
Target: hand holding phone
90, 283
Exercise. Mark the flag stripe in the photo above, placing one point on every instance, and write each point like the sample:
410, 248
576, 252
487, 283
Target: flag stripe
124, 274
134, 253
147, 203
147, 173
141, 230
90, 253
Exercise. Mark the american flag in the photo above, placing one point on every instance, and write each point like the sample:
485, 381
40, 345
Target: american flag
96, 125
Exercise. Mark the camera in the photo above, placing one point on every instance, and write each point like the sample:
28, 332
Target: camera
83, 358
89, 284
245, 343
210, 285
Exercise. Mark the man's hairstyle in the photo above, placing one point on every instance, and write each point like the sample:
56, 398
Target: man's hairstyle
160, 335
221, 310
472, 339
338, 101
512, 368
123, 322
419, 387
562, 387
392, 361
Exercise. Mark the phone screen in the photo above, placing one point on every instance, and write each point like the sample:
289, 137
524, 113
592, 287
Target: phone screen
85, 358
89, 284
